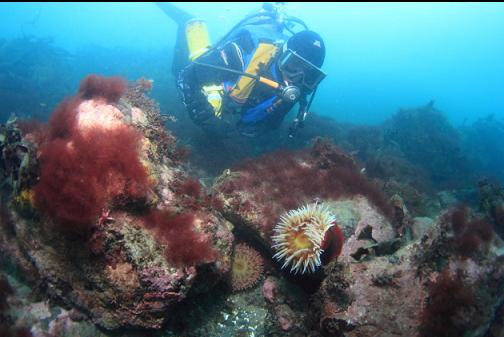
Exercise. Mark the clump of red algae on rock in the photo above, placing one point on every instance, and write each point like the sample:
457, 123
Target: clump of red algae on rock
95, 240
442, 289
257, 192
377, 268
89, 159
451, 308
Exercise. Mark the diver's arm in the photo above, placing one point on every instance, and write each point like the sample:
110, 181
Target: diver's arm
298, 122
280, 112
202, 87
193, 98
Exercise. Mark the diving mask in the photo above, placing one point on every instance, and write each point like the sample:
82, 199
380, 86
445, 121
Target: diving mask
299, 70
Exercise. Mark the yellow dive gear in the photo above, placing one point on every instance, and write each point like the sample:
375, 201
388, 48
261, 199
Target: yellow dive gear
214, 95
263, 56
198, 40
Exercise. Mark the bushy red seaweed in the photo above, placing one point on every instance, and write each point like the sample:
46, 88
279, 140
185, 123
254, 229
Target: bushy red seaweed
63, 119
33, 127
189, 187
111, 88
184, 245
292, 178
470, 234
213, 202
79, 179
448, 297
192, 195
85, 172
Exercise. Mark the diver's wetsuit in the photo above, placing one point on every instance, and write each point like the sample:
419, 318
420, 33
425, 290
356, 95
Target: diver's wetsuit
263, 109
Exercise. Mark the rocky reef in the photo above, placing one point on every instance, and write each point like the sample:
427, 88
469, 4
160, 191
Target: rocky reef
104, 232
446, 283
96, 228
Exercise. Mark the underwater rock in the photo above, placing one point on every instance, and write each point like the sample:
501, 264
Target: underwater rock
220, 313
425, 288
270, 289
354, 305
492, 203
420, 226
117, 265
364, 227
257, 192
286, 305
417, 203
18, 162
427, 140
447, 199
483, 144
28, 316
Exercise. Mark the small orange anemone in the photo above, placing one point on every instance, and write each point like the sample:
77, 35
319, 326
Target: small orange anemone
247, 267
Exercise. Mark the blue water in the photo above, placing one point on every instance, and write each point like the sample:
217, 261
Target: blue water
380, 57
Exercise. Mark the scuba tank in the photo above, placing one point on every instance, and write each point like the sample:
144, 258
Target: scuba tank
198, 40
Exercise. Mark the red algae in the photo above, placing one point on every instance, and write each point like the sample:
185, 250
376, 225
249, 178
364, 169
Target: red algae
184, 245
81, 173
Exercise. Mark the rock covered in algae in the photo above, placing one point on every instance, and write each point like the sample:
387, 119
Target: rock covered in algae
428, 287
258, 191
118, 269
27, 315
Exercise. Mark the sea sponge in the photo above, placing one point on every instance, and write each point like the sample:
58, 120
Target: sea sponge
247, 267
302, 235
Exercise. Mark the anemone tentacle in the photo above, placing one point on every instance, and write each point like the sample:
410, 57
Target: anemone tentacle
298, 237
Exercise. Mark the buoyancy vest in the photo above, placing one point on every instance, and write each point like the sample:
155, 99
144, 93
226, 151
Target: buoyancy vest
259, 45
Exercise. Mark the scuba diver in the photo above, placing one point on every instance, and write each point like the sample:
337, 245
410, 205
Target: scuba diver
253, 76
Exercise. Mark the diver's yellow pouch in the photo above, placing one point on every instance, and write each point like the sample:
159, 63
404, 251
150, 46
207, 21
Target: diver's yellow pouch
214, 94
198, 40
263, 55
